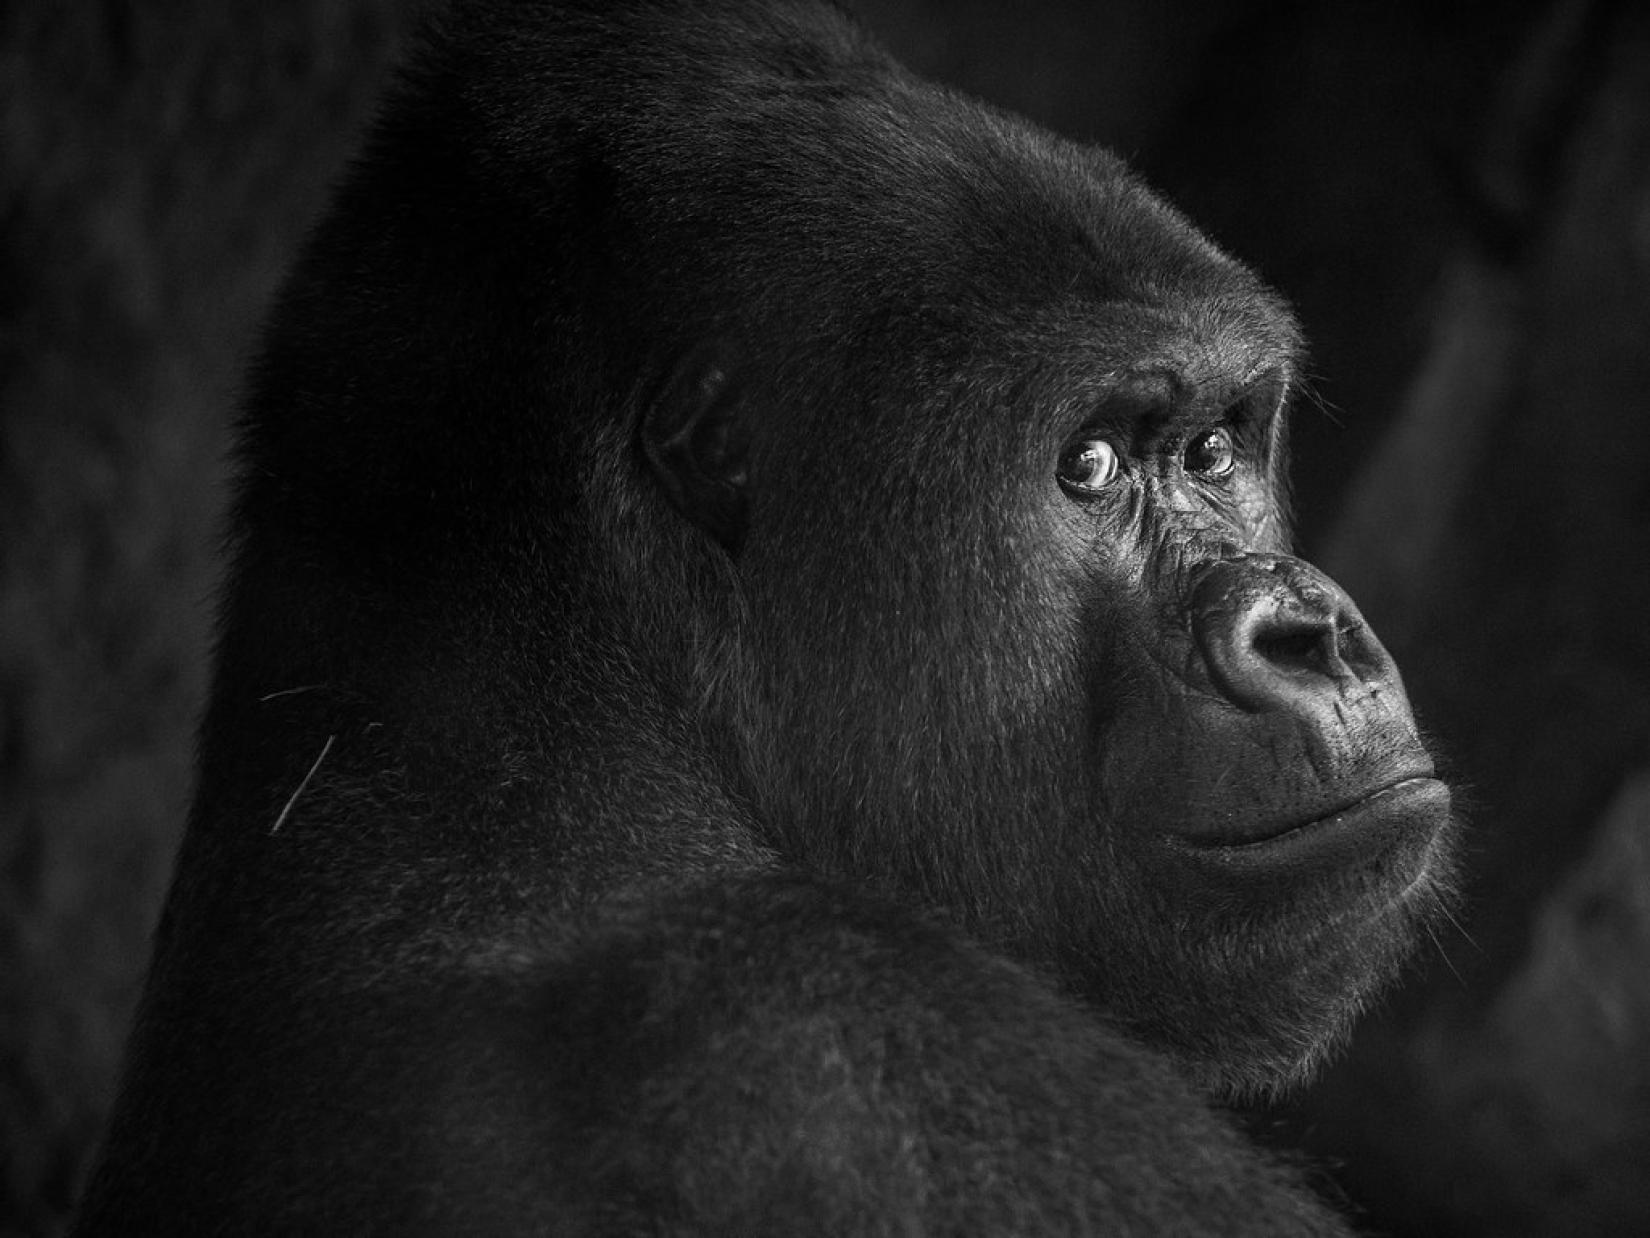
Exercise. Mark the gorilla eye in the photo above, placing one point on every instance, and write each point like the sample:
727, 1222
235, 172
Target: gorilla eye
1211, 453
1088, 465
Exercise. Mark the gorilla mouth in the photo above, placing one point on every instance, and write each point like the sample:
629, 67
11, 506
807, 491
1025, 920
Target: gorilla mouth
1410, 808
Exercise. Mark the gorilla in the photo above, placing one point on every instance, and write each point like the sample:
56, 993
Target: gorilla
762, 687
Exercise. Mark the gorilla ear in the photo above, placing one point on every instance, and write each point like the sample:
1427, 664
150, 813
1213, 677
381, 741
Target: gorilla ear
697, 446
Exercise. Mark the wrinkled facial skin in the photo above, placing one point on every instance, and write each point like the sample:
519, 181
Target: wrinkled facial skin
1289, 710
1039, 650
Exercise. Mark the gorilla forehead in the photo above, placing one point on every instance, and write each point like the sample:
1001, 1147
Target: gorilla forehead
775, 139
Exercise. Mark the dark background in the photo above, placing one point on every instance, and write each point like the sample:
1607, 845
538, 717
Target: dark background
1457, 199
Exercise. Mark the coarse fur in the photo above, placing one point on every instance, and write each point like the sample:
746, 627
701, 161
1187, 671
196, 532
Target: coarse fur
688, 752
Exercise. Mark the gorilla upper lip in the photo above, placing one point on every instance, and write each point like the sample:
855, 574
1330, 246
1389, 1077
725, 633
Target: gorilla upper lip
1399, 806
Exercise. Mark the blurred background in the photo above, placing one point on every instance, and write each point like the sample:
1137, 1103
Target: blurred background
1455, 196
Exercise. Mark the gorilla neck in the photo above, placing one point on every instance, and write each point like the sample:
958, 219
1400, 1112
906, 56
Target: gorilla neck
444, 721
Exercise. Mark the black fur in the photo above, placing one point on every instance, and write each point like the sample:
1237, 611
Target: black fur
681, 761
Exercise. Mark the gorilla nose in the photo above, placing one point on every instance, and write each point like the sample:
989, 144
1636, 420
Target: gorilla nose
1276, 633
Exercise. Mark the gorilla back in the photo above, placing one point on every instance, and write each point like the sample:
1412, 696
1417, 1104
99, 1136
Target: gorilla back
761, 687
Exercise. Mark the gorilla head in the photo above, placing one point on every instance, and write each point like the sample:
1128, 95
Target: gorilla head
912, 476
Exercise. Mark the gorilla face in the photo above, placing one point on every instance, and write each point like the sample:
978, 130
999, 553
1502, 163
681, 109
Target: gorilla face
1019, 628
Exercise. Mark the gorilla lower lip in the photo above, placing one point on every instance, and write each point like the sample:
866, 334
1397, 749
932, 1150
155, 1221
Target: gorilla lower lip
1413, 807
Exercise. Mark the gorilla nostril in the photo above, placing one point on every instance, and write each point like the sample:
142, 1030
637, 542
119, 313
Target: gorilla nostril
1298, 644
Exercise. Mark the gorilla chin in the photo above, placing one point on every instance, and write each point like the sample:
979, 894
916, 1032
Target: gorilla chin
1355, 888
